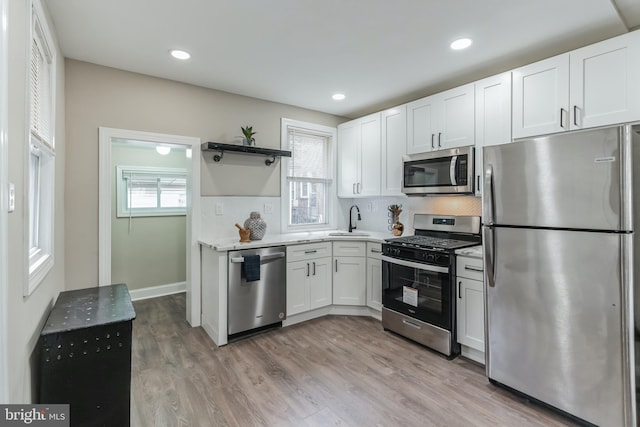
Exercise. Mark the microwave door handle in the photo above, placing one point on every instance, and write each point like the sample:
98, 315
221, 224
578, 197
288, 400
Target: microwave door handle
453, 170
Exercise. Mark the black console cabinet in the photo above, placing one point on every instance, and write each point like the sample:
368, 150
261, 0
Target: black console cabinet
85, 355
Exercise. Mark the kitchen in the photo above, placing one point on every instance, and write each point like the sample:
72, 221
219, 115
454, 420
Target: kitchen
100, 96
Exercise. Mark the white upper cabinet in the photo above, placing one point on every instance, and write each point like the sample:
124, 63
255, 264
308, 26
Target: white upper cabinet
593, 86
359, 157
605, 82
540, 97
493, 117
394, 147
444, 120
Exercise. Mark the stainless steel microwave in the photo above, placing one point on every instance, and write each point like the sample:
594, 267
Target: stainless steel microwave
439, 172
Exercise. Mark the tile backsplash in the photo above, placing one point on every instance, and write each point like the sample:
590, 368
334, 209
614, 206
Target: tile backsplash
220, 213
375, 216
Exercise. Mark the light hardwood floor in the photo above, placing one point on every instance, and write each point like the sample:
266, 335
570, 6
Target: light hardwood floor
332, 371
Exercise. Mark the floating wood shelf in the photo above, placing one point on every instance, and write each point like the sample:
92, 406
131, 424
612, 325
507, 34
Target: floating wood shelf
244, 149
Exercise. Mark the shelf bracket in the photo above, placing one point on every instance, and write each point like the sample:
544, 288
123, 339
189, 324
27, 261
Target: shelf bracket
269, 162
218, 157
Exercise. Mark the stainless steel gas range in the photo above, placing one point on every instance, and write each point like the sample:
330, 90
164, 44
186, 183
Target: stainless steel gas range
418, 279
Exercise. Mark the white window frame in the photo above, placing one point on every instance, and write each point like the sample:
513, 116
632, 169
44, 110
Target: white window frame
122, 193
40, 143
285, 191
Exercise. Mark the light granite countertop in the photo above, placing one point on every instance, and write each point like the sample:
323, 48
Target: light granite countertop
473, 251
232, 243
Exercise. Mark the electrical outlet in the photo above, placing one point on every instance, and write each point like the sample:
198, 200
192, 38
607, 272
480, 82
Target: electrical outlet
12, 197
219, 209
268, 208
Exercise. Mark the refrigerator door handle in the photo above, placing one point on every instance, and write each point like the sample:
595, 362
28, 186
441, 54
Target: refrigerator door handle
488, 189
489, 255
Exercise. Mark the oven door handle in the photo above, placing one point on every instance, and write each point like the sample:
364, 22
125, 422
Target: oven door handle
418, 265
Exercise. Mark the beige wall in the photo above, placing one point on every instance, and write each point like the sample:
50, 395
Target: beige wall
27, 314
153, 251
100, 96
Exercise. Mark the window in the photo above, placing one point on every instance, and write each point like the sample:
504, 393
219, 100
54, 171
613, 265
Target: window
307, 176
41, 149
150, 191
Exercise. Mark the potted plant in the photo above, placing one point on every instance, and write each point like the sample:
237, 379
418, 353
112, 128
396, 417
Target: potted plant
248, 133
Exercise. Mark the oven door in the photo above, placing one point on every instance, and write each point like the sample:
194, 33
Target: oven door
439, 172
418, 290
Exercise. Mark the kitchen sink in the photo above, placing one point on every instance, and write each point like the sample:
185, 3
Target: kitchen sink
346, 233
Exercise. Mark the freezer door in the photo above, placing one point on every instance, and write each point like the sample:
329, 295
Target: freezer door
559, 320
577, 180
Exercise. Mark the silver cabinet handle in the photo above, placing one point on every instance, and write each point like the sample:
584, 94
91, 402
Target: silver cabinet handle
376, 251
478, 183
459, 289
439, 138
432, 146
359, 188
313, 251
336, 266
307, 269
314, 268
413, 325
469, 267
575, 115
240, 259
562, 118
353, 190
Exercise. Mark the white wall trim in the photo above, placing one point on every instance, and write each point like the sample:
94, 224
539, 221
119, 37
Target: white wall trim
158, 291
4, 207
106, 136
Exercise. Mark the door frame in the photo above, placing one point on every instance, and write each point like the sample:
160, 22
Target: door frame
106, 136
4, 207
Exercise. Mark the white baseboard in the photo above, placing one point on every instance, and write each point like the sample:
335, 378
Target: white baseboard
473, 354
158, 291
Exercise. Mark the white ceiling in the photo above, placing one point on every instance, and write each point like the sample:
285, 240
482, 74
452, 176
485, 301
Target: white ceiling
299, 52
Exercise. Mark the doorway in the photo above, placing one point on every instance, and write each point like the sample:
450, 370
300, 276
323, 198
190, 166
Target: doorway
111, 140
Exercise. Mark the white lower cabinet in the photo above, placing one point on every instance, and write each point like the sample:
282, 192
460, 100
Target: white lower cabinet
470, 307
349, 273
308, 277
374, 276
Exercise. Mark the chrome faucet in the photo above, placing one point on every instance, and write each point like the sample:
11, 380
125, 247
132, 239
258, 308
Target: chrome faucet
353, 227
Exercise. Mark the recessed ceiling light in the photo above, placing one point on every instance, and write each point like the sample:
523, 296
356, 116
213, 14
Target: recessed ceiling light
163, 150
338, 96
461, 44
180, 54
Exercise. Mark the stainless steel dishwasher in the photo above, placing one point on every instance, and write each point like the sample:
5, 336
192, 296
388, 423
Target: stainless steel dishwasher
261, 303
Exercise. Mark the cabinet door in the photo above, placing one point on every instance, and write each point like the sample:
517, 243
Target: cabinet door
456, 121
470, 313
605, 82
297, 287
421, 125
394, 147
368, 183
493, 117
349, 284
348, 158
320, 283
541, 97
374, 283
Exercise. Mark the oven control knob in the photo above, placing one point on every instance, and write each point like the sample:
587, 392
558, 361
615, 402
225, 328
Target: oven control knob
430, 257
396, 251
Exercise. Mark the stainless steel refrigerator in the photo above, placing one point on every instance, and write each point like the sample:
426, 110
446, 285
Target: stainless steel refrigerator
559, 218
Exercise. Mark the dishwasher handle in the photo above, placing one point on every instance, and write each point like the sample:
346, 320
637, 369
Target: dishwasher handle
237, 260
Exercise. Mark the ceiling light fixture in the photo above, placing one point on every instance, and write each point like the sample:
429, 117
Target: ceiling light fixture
338, 96
180, 54
461, 44
162, 150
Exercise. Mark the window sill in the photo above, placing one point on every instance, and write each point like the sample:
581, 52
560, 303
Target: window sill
39, 267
